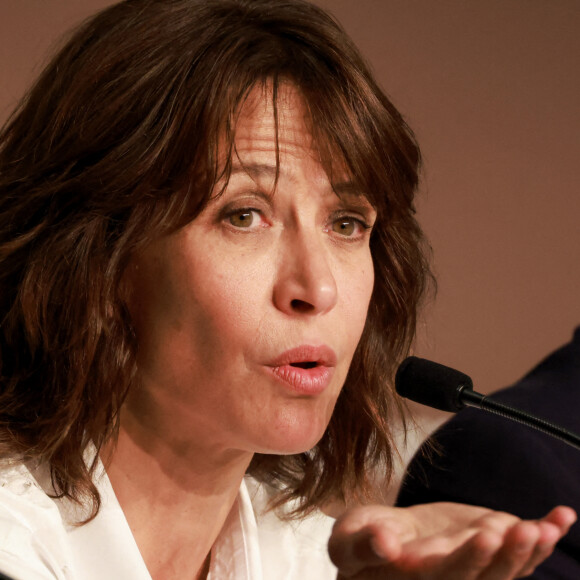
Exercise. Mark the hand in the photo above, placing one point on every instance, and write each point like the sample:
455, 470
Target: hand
442, 541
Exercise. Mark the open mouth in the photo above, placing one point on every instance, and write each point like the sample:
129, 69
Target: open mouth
305, 370
304, 364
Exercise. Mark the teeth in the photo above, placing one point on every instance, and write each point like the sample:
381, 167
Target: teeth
305, 365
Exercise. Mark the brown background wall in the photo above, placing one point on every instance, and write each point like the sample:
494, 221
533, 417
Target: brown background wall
492, 89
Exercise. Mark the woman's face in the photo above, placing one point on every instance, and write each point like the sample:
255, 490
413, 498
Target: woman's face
247, 318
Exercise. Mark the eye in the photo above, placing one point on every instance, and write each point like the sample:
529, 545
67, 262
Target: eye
242, 218
349, 227
344, 226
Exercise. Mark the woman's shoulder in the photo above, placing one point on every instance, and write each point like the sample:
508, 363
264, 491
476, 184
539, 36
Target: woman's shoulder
40, 535
32, 533
297, 545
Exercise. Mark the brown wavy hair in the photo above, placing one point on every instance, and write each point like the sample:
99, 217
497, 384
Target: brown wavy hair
116, 145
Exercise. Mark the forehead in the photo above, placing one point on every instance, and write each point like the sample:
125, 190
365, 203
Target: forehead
275, 126
282, 120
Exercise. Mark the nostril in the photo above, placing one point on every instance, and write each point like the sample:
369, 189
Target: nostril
301, 306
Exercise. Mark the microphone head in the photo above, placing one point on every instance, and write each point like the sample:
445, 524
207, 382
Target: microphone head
431, 384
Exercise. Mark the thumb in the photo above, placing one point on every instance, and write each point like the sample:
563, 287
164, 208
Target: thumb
365, 537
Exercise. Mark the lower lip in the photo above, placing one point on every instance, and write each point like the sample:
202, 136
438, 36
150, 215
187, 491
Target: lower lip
304, 381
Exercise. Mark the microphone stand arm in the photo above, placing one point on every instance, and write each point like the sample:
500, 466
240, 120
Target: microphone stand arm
471, 398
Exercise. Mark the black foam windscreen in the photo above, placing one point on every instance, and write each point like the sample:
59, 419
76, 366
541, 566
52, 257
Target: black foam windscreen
431, 384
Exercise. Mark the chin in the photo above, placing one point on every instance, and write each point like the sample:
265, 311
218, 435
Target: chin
293, 438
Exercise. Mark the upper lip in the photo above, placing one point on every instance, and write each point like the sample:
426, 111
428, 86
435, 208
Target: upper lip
321, 355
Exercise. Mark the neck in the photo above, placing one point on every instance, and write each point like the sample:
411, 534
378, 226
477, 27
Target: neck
175, 494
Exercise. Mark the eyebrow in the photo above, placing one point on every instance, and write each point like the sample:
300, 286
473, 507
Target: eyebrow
257, 170
347, 188
254, 169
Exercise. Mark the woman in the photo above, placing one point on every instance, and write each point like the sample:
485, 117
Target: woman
210, 270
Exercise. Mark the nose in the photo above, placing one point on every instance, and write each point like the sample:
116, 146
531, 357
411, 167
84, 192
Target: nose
305, 282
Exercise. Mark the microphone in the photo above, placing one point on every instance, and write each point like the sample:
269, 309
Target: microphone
447, 389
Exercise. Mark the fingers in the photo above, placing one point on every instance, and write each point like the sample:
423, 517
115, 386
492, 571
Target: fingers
507, 548
518, 552
543, 548
354, 554
552, 528
380, 542
562, 517
471, 559
366, 537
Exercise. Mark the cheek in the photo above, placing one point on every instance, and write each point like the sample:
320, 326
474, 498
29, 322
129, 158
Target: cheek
357, 292
232, 297
148, 294
368, 285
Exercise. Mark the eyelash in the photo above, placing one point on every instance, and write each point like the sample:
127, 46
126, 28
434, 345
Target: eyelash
360, 223
228, 214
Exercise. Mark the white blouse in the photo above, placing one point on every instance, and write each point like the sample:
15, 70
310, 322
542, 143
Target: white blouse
39, 541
